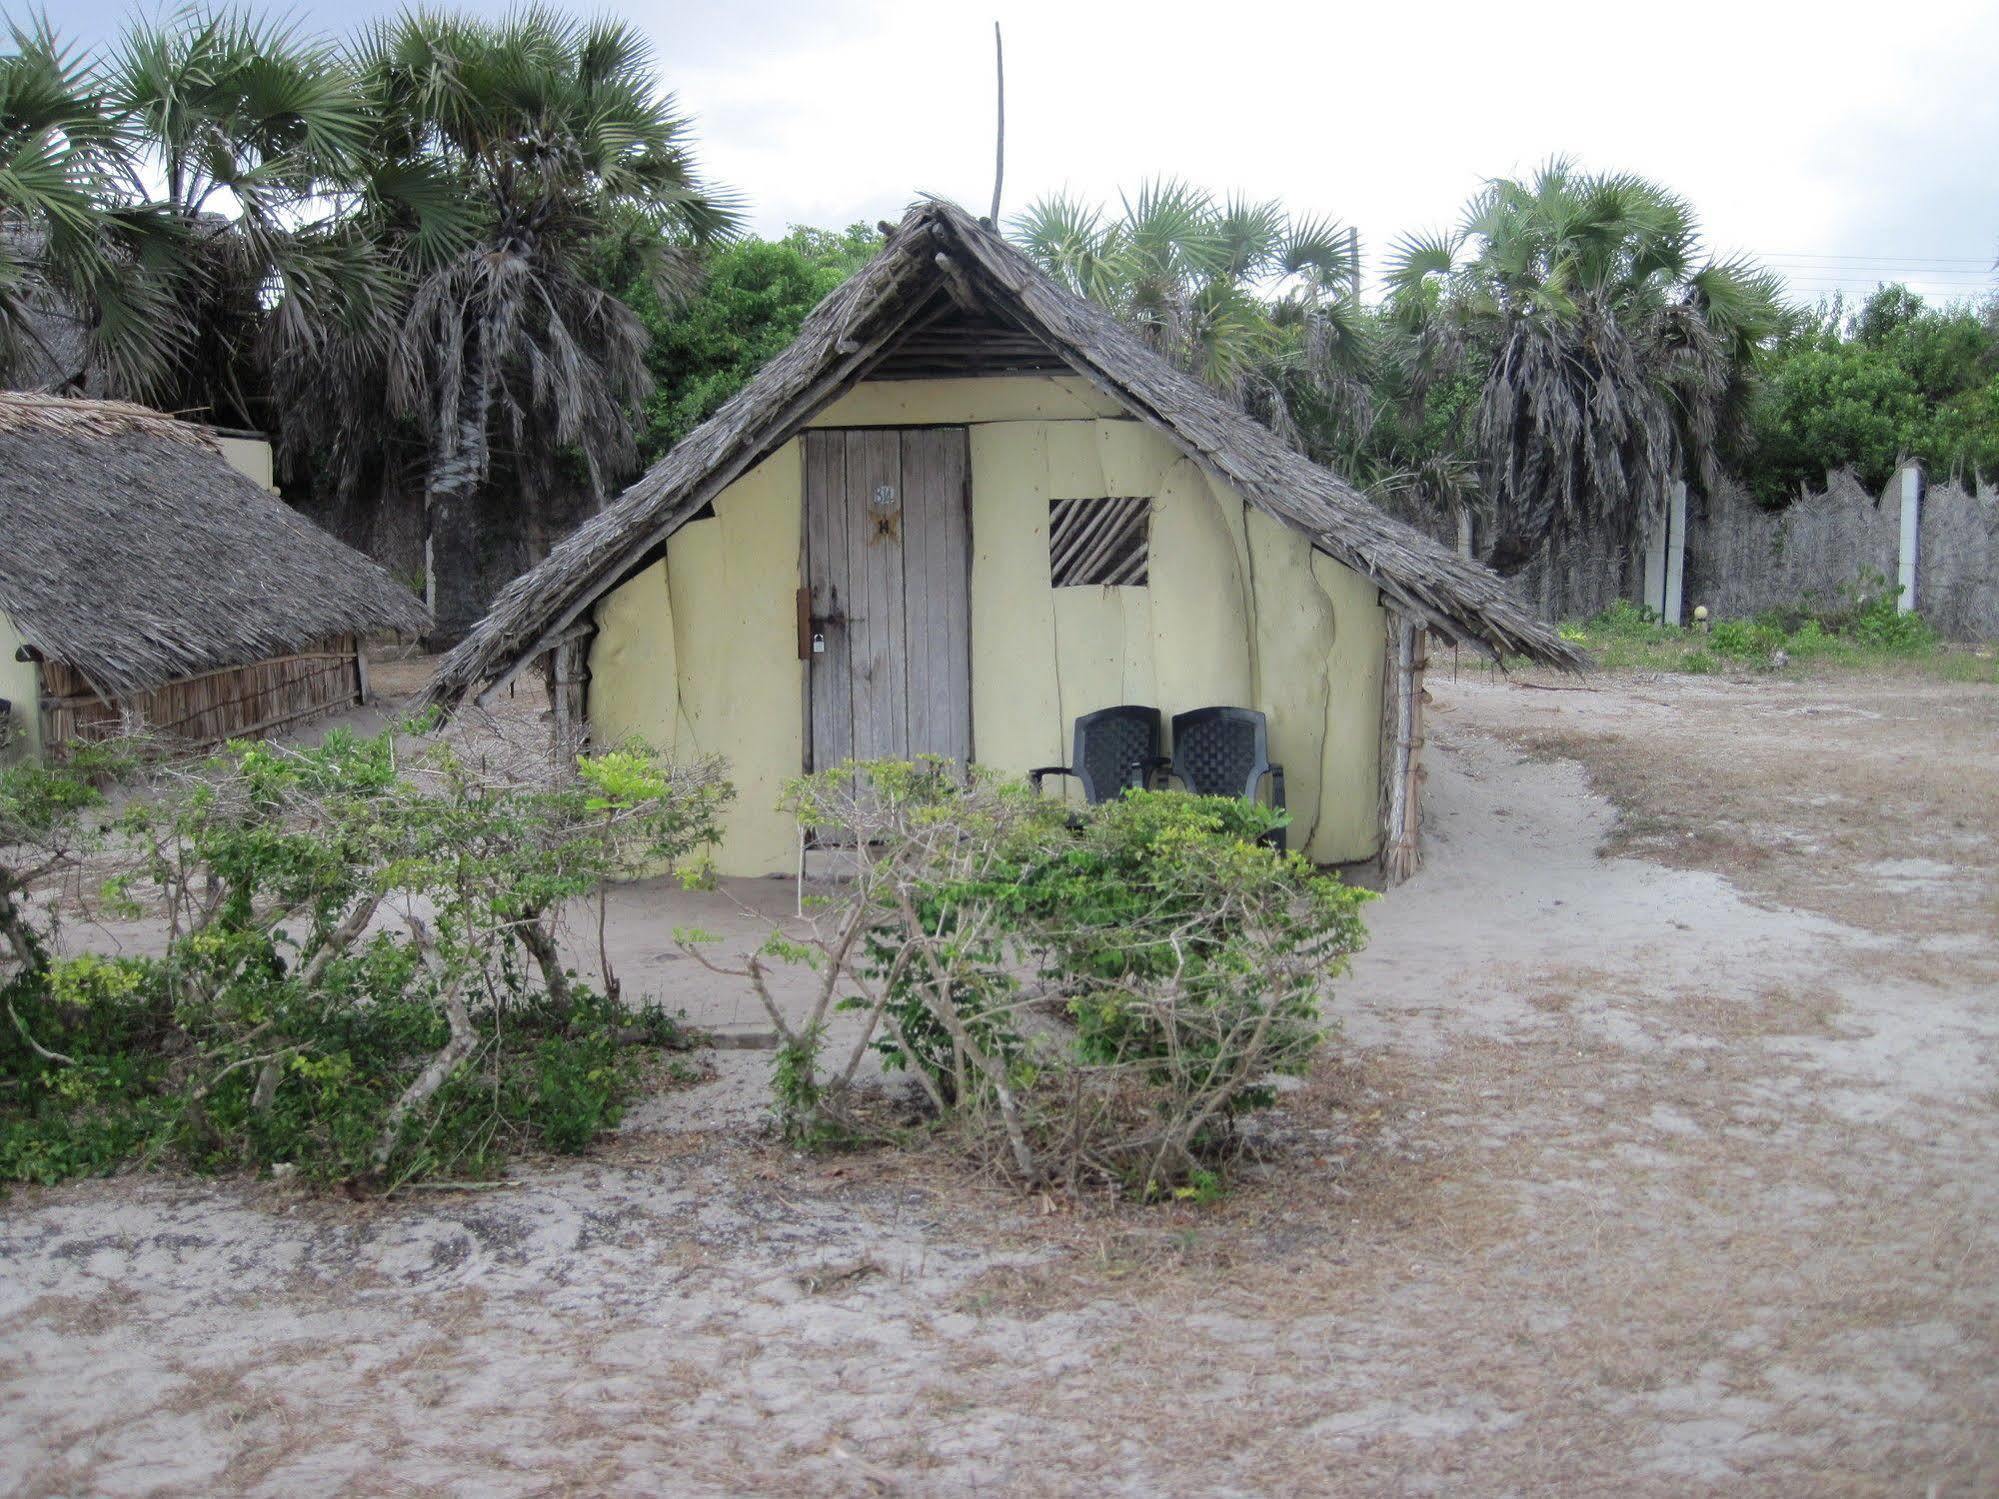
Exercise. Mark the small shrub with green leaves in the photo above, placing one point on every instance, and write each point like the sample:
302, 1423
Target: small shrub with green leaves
1745, 640
1877, 619
361, 977
1095, 995
1624, 620
1863, 623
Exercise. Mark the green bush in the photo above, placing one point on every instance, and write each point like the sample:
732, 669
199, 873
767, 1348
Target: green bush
1624, 620
1745, 640
361, 976
1082, 994
753, 296
1878, 621
132, 1089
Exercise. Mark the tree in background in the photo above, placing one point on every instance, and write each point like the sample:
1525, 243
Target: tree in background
176, 211
553, 133
379, 252
253, 140
753, 296
78, 243
1614, 356
1262, 306
1896, 380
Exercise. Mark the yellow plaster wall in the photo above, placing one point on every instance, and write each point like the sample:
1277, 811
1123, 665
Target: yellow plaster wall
250, 457
1017, 709
697, 655
20, 684
1238, 610
1350, 760
1199, 603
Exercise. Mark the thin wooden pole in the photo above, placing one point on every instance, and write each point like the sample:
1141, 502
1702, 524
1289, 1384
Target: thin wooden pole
559, 691
1402, 854
999, 142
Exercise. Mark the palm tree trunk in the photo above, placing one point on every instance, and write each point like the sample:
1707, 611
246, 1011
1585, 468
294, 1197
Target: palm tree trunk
454, 540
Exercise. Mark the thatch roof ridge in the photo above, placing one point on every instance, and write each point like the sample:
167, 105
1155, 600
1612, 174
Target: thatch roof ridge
132, 551
70, 416
937, 243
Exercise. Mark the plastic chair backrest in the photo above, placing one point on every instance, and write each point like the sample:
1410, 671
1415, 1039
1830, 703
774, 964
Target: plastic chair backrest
1110, 743
1221, 751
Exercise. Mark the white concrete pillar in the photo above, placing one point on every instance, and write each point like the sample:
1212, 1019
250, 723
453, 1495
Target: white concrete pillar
1676, 553
1912, 510
1655, 564
1665, 556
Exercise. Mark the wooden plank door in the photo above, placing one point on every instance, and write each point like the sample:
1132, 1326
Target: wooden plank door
888, 564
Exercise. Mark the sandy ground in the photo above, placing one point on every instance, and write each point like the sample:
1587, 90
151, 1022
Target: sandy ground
1657, 1155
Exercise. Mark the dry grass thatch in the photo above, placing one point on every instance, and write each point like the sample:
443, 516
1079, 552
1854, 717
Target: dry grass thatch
133, 552
940, 266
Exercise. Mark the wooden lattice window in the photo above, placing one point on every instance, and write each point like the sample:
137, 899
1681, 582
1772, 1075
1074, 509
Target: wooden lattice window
1100, 541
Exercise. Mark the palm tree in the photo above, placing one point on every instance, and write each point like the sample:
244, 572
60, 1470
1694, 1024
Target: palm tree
1263, 307
76, 244
1614, 357
547, 135
254, 136
181, 204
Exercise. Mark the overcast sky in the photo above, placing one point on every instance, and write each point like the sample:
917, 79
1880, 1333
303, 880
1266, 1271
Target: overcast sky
1842, 143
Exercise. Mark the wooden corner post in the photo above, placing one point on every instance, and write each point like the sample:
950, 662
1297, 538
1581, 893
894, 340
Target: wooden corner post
1408, 653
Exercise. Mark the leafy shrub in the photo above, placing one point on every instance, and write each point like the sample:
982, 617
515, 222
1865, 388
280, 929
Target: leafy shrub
1743, 640
1810, 641
352, 938
132, 1087
1624, 620
1878, 621
1082, 996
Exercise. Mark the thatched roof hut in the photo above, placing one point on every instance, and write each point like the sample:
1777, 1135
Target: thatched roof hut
136, 557
948, 303
1034, 325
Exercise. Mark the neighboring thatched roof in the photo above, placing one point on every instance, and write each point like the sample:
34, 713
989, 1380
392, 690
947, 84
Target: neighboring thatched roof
940, 266
132, 551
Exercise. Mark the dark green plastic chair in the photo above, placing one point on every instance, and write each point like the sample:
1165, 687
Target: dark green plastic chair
1113, 749
1225, 752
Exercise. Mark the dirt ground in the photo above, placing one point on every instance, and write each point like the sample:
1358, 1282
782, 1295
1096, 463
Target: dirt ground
1658, 1154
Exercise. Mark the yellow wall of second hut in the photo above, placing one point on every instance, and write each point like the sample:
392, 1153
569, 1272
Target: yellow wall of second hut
250, 457
20, 684
697, 655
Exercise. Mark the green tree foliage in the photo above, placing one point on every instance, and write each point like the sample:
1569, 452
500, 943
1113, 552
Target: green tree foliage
88, 264
1897, 379
752, 298
256, 134
1261, 305
178, 206
392, 237
1614, 356
360, 977
552, 132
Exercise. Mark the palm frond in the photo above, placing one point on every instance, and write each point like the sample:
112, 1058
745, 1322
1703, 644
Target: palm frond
1321, 251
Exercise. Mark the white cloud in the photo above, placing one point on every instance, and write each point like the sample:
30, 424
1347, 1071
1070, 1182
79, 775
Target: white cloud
1835, 131
1839, 135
